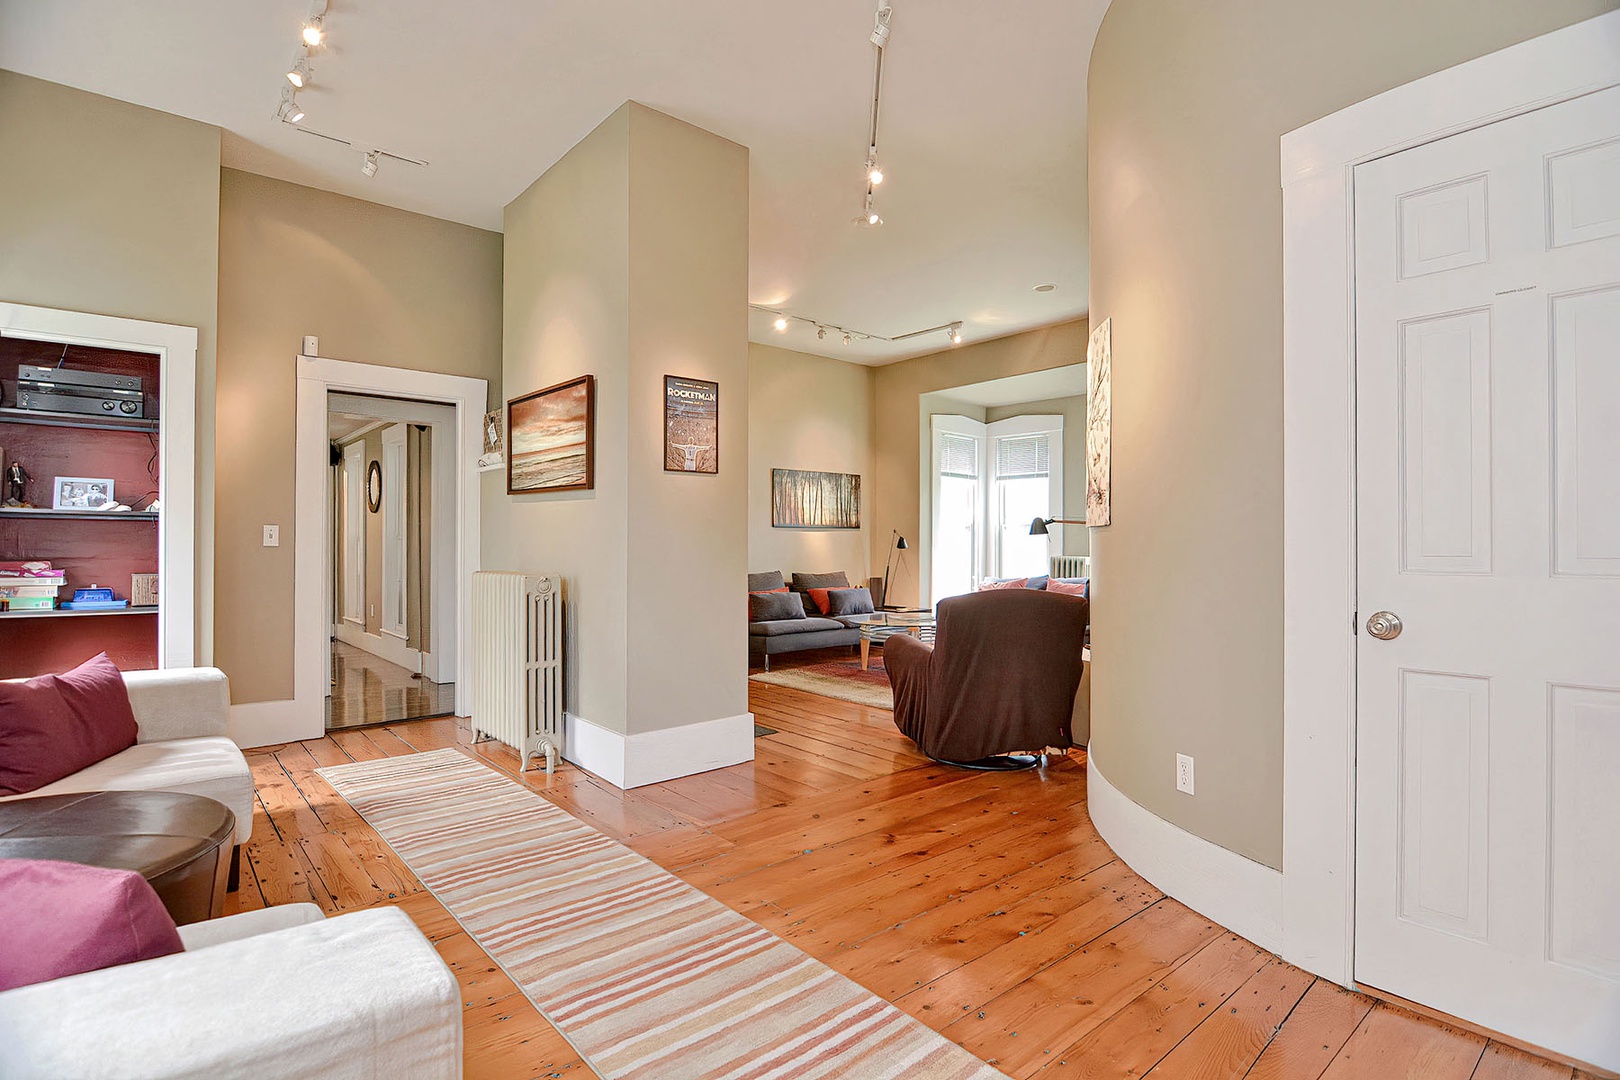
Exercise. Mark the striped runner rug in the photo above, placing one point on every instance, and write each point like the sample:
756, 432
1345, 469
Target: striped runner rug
643, 974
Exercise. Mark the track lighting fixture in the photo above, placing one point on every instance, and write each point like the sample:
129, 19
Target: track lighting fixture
874, 171
369, 167
314, 32
301, 74
781, 320
289, 112
869, 216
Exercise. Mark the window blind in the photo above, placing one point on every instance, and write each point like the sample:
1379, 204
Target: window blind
1022, 456
958, 455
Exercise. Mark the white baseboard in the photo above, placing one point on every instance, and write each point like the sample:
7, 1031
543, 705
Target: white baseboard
1242, 895
650, 757
384, 647
268, 723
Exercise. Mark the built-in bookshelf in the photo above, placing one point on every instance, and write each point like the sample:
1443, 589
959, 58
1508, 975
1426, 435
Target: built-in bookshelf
93, 547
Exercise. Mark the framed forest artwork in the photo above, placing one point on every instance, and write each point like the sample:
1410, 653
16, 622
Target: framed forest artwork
551, 438
691, 425
801, 499
1099, 423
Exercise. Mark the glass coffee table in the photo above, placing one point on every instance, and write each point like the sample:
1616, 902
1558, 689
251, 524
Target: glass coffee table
879, 626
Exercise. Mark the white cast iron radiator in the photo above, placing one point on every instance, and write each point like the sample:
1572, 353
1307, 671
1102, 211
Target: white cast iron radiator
1071, 566
517, 662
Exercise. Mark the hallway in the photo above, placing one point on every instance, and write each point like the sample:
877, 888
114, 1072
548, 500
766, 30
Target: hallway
369, 690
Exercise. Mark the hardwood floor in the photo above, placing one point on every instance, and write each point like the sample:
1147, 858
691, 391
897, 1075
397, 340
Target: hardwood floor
367, 689
983, 904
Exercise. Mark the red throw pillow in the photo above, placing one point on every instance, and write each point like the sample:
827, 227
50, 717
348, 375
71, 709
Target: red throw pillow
1015, 583
64, 919
1071, 588
52, 726
819, 598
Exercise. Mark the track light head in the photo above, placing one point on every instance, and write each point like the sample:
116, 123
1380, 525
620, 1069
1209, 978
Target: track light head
289, 112
846, 339
874, 174
301, 74
314, 31
955, 333
369, 167
821, 333
781, 323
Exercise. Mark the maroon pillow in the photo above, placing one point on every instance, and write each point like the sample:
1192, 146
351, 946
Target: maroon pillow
64, 918
52, 726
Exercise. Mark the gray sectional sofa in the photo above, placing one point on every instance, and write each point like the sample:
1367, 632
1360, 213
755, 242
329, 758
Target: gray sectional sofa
770, 637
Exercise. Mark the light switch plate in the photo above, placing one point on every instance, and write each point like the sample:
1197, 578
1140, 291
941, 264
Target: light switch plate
272, 536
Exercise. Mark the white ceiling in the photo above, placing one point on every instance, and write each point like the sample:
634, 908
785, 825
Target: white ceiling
1047, 385
982, 135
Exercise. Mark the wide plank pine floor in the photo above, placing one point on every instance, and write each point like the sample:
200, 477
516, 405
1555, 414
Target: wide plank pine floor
985, 905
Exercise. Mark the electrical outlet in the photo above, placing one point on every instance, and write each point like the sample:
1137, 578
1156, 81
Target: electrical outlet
1184, 773
272, 536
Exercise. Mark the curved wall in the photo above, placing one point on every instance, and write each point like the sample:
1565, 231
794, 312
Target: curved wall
1187, 102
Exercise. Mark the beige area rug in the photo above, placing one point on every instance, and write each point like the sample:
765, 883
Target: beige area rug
841, 679
643, 974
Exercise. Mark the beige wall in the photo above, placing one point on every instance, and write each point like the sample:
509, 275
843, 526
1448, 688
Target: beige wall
628, 260
378, 286
1187, 103
897, 423
113, 209
1064, 539
808, 412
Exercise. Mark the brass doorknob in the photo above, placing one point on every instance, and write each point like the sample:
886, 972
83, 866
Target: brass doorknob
1384, 625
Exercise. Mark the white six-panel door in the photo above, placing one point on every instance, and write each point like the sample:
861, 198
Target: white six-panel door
1488, 506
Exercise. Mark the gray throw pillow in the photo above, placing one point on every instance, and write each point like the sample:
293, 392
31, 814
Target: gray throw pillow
770, 606
857, 601
771, 579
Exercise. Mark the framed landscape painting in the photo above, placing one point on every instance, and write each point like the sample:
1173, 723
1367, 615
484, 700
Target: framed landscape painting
801, 499
551, 438
691, 425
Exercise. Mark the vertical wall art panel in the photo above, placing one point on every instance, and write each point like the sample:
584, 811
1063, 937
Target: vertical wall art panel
801, 499
1099, 422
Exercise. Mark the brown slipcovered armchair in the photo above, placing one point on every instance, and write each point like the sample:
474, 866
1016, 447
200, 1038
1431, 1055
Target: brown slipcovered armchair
1001, 676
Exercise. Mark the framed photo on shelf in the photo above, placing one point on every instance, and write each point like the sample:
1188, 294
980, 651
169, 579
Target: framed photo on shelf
82, 493
551, 438
691, 425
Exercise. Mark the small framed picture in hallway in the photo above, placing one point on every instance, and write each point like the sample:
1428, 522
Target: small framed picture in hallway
691, 425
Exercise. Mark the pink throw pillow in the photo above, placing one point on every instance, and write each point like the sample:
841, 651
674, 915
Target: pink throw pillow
1071, 588
63, 919
52, 726
1015, 583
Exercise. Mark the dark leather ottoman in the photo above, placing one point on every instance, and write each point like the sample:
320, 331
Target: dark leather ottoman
180, 843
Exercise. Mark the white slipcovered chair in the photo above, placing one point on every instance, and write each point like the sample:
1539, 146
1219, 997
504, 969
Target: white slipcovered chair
180, 745
273, 994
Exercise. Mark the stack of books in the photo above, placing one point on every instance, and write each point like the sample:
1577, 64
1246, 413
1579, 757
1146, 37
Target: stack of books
30, 586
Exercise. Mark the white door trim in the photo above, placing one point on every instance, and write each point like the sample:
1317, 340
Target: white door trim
185, 586
305, 719
1319, 440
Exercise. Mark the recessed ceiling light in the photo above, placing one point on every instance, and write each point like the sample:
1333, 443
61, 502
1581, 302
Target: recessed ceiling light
1045, 286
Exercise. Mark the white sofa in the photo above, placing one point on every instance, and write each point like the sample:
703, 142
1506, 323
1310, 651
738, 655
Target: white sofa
180, 745
270, 994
